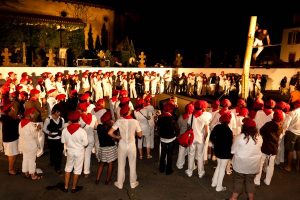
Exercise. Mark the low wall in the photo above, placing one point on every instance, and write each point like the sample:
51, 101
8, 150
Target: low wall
274, 74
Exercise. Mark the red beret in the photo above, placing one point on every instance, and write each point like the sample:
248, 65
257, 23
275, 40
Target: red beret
225, 103
225, 118
243, 112
280, 105
148, 97
258, 105
270, 103
10, 73
23, 94
124, 100
34, 91
115, 92
278, 115
215, 104
23, 80
169, 107
241, 102
296, 104
123, 93
73, 92
85, 97
287, 107
248, 122
51, 91
29, 111
139, 102
40, 80
74, 116
19, 87
60, 97
106, 117
83, 106
124, 110
24, 74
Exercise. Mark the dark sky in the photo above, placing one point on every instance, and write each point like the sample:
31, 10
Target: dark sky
193, 27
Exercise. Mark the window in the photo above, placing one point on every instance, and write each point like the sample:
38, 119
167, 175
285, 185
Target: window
294, 37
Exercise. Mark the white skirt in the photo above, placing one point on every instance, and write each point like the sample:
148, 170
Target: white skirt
11, 148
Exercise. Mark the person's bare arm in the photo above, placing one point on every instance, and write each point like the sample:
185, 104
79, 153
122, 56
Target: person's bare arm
139, 134
268, 39
112, 134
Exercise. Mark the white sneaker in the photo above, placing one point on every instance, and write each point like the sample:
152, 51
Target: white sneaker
221, 189
118, 186
188, 173
201, 174
134, 185
266, 182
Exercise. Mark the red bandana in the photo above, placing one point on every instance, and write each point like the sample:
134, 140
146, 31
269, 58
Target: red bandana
185, 115
223, 110
215, 109
237, 110
197, 113
166, 114
252, 114
24, 122
87, 118
113, 99
127, 117
97, 108
267, 111
72, 128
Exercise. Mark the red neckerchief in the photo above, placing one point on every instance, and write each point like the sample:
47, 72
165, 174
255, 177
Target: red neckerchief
24, 122
72, 128
97, 108
186, 115
223, 110
127, 117
252, 114
237, 110
138, 109
166, 114
87, 118
215, 109
147, 104
197, 113
267, 111
113, 99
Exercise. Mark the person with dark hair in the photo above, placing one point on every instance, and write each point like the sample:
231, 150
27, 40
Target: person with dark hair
75, 140
221, 137
53, 127
262, 34
10, 136
246, 150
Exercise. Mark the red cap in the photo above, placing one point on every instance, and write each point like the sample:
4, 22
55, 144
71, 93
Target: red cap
24, 74
106, 117
248, 122
241, 102
19, 87
123, 93
83, 106
115, 92
51, 91
225, 118
73, 92
280, 105
60, 97
243, 112
278, 115
201, 105
40, 80
225, 103
139, 102
189, 108
10, 73
169, 107
270, 103
124, 100
74, 116
85, 97
100, 102
148, 97
23, 80
23, 94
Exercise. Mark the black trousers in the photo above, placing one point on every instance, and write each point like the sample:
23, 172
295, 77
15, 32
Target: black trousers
56, 150
166, 150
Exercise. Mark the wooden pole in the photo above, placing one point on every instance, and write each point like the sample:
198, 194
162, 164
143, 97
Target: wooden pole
247, 59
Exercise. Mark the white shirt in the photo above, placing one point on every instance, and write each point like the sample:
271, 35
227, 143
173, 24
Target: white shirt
28, 138
293, 123
99, 114
261, 118
75, 142
47, 122
141, 117
199, 124
128, 129
247, 155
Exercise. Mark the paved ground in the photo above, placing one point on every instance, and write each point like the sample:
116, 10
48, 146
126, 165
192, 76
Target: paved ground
153, 185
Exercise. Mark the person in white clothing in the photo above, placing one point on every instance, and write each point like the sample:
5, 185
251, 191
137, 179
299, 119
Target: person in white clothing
265, 115
246, 150
151, 111
29, 144
51, 98
89, 123
128, 128
75, 140
200, 125
132, 90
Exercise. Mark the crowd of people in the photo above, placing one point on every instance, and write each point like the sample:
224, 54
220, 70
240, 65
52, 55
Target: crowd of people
96, 116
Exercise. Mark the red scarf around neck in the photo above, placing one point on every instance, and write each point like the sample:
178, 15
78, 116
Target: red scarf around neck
223, 110
267, 111
186, 115
87, 118
97, 108
72, 128
197, 113
24, 122
113, 99
127, 117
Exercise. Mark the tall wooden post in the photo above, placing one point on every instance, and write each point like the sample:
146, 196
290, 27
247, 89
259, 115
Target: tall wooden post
247, 59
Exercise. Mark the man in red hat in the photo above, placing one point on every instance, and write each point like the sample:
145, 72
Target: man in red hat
75, 139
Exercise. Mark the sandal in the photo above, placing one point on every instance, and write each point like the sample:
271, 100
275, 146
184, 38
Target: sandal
141, 157
36, 177
149, 156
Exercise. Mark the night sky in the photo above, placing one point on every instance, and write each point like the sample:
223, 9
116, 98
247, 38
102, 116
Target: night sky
194, 27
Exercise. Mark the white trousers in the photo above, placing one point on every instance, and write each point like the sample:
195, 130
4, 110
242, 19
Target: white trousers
196, 151
87, 158
217, 179
269, 159
144, 141
280, 155
182, 152
257, 42
124, 151
28, 163
132, 92
152, 136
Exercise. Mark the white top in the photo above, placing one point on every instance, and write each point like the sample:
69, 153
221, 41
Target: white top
28, 138
261, 118
293, 123
76, 142
128, 129
199, 124
98, 114
247, 155
143, 121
